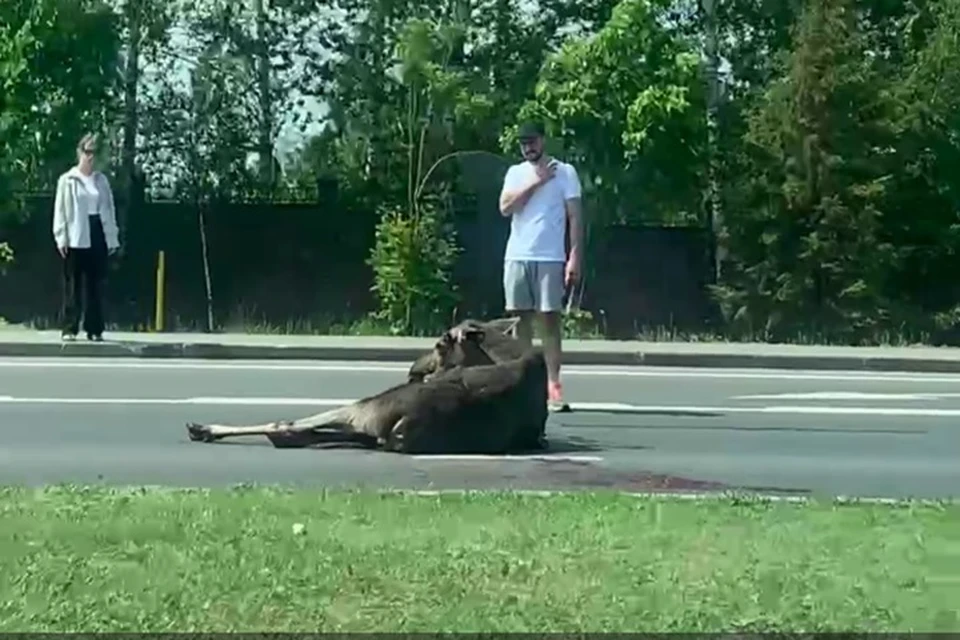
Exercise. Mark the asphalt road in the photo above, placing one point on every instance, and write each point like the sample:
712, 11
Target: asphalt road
642, 429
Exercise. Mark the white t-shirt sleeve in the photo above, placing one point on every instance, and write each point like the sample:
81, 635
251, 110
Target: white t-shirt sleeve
571, 183
511, 180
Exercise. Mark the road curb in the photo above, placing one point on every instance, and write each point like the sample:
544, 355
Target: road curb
577, 356
730, 496
742, 496
204, 351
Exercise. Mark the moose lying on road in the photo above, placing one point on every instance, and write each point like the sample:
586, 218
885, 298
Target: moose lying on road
477, 391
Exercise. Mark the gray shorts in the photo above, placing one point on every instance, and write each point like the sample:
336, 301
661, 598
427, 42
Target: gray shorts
533, 286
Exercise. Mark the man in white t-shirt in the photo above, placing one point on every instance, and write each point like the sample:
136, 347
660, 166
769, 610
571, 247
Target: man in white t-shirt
541, 195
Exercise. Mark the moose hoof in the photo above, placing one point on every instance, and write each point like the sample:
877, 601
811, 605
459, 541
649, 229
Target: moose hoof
199, 432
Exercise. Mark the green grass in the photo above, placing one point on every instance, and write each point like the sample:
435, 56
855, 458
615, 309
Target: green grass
74, 559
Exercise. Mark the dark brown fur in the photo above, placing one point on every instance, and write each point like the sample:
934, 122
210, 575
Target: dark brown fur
480, 393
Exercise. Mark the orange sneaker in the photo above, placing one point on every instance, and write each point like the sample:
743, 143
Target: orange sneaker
555, 401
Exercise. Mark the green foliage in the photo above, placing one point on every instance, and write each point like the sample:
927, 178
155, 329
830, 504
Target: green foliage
57, 75
627, 106
924, 180
579, 324
809, 231
247, 73
412, 259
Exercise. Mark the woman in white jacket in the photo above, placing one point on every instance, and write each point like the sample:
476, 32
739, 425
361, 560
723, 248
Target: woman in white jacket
85, 232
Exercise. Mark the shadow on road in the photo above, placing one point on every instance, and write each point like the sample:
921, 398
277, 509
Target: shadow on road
261, 441
557, 444
570, 444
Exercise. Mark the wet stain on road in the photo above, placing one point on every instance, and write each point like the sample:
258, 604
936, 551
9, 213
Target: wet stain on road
589, 476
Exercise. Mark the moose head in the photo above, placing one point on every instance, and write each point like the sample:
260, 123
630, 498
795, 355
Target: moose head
469, 344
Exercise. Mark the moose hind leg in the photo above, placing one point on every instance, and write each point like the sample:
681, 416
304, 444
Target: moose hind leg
213, 432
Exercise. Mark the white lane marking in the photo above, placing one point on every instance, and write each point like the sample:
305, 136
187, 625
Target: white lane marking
573, 370
865, 411
324, 402
263, 402
614, 407
547, 457
847, 395
586, 407
77, 363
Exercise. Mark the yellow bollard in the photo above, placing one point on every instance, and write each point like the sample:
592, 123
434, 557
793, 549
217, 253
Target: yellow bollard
158, 314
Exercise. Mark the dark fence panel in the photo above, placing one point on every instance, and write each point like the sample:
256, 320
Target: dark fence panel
647, 277
284, 263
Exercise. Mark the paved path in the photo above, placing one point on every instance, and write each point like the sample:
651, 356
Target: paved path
18, 342
121, 421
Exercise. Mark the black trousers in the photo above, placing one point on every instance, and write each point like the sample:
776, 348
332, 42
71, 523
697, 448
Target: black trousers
84, 271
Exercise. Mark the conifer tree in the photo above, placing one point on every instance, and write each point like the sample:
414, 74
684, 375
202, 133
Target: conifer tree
806, 221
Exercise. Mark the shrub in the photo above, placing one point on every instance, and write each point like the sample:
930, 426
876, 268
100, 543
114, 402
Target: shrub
412, 259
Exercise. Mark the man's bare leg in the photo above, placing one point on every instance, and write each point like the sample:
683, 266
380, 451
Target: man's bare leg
524, 328
551, 336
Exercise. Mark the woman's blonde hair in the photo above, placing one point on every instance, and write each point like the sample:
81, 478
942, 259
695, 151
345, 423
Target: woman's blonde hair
88, 139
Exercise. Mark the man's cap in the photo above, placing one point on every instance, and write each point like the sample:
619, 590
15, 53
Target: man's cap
529, 130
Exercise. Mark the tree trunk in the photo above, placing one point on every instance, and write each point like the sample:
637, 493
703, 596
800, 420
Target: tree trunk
265, 138
130, 117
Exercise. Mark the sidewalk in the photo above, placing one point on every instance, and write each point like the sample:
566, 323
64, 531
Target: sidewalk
18, 342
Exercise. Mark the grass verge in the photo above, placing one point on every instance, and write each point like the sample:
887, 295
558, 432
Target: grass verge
82, 559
